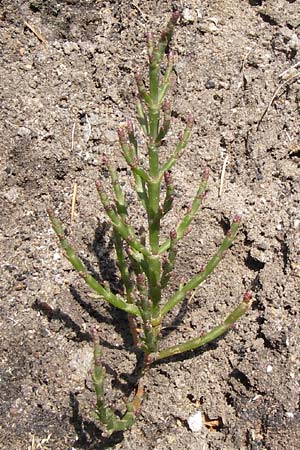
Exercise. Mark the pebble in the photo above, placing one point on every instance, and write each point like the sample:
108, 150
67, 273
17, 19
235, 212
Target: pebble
195, 422
188, 16
70, 47
12, 195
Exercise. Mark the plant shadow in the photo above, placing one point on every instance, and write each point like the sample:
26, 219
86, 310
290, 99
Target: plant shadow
90, 437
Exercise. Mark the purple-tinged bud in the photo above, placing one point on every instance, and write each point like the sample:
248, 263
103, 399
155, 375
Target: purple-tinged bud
171, 57
168, 177
173, 235
190, 120
149, 37
205, 174
237, 218
138, 78
128, 250
203, 195
129, 126
98, 185
248, 296
180, 135
175, 16
122, 135
105, 160
94, 334
140, 279
167, 106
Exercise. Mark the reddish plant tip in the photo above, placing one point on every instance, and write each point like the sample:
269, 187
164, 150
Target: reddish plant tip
237, 218
138, 78
180, 135
105, 160
248, 296
122, 135
205, 173
129, 126
175, 16
168, 177
94, 334
173, 235
190, 120
98, 184
171, 57
140, 278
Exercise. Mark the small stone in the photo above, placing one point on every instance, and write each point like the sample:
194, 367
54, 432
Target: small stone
195, 422
188, 16
56, 256
24, 131
210, 84
296, 224
208, 27
269, 369
12, 195
70, 47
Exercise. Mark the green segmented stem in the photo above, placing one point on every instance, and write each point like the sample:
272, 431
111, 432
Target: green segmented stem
122, 228
199, 278
79, 266
183, 142
142, 117
169, 261
211, 335
119, 195
187, 219
105, 414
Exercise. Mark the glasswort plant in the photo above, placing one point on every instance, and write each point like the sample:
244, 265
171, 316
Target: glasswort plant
146, 263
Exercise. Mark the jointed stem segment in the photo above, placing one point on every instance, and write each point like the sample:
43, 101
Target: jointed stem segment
103, 412
145, 263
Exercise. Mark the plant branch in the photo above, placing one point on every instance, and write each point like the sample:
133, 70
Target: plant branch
79, 266
211, 335
209, 268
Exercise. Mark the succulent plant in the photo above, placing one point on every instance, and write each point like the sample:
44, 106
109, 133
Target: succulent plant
146, 261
